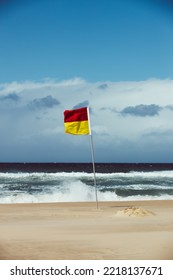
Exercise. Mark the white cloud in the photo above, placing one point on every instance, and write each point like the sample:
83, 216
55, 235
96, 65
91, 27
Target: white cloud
44, 84
117, 138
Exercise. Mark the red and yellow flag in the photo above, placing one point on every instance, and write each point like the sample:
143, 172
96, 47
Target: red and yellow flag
77, 121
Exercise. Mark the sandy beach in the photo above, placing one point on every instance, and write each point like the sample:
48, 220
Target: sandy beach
136, 230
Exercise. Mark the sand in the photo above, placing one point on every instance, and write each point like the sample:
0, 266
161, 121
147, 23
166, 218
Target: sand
140, 230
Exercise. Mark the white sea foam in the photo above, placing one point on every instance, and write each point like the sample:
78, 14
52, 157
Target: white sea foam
71, 197
132, 174
78, 186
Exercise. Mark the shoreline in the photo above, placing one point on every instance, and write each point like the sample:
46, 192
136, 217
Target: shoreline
80, 231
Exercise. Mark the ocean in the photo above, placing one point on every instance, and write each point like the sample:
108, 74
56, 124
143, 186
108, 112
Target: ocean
73, 182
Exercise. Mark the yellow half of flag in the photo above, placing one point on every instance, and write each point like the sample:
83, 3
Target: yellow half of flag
77, 127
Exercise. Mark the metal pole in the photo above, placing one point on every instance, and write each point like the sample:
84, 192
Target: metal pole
92, 155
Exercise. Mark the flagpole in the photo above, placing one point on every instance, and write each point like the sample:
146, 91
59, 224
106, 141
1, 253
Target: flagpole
92, 155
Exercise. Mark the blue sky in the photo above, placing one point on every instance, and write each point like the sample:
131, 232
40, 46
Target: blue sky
97, 40
112, 55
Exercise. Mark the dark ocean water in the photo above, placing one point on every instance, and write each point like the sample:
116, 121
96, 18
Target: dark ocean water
58, 182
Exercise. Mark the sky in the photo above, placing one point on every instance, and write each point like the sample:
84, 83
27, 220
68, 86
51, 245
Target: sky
114, 56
